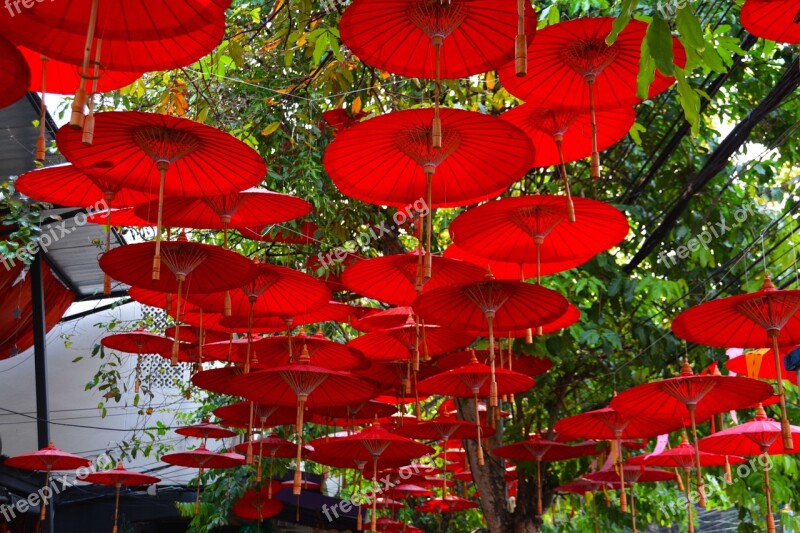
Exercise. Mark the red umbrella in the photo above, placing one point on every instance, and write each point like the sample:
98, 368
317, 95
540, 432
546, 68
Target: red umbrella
524, 364
139, 342
447, 504
302, 384
195, 335
16, 76
285, 235
371, 444
259, 505
205, 430
568, 319
323, 352
359, 414
394, 317
193, 264
760, 364
512, 270
408, 490
691, 396
398, 280
535, 229
582, 71
776, 20
164, 155
397, 147
563, 135
238, 415
49, 459
56, 77
767, 318
118, 477
272, 446
409, 341
202, 458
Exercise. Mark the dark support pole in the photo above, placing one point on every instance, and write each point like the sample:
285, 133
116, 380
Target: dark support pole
39, 355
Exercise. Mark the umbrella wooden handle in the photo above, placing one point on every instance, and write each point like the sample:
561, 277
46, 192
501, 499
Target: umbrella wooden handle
689, 500
786, 430
78, 103
521, 43
539, 506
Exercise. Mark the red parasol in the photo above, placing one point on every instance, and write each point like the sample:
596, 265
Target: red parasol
16, 76
340, 119
202, 458
139, 342
259, 505
371, 444
56, 77
761, 364
205, 430
272, 446
511, 270
776, 20
408, 490
446, 504
767, 318
302, 384
397, 279
330, 312
285, 235
583, 72
568, 319
563, 135
164, 155
394, 317
323, 352
119, 477
195, 335
524, 364
49, 459
359, 414
119, 218
691, 396
238, 415
410, 342
397, 147
535, 229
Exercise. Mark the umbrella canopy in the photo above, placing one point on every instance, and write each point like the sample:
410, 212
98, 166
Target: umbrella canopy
447, 504
633, 474
119, 477
610, 424
202, 458
322, 352
352, 414
119, 218
194, 334
767, 318
266, 415
524, 364
775, 20
139, 342
408, 490
473, 380
409, 341
512, 270
56, 77
205, 430
394, 317
258, 504
331, 312
761, 364
568, 319
397, 279
16, 76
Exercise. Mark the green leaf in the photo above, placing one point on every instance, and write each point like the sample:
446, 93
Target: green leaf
659, 41
621, 21
690, 101
691, 35
647, 72
320, 46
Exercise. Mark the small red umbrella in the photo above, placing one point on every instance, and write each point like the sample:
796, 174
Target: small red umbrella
16, 76
164, 155
446, 504
568, 319
195, 335
692, 396
119, 477
49, 459
371, 444
302, 384
394, 317
238, 415
359, 414
410, 342
398, 279
582, 71
563, 135
205, 430
274, 447
767, 318
408, 490
56, 77
776, 20
536, 229
512, 270
761, 364
331, 312
119, 218
259, 504
202, 458
760, 436
323, 352
397, 148
525, 364
139, 342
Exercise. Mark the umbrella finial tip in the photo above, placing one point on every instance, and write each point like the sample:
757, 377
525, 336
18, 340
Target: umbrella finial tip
767, 285
686, 370
489, 275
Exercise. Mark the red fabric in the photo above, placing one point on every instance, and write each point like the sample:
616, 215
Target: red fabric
448, 504
534, 449
361, 414
15, 75
205, 430
570, 317
395, 35
474, 379
340, 119
510, 270
399, 344
16, 332
271, 446
120, 218
525, 364
138, 342
558, 61
683, 456
120, 475
394, 317
201, 457
238, 415
748, 439
767, 368
191, 334
603, 424
522, 220
257, 505
633, 474
391, 449
775, 20
47, 459
381, 160
444, 427
63, 78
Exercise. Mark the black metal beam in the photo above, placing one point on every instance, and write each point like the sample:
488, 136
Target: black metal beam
90, 312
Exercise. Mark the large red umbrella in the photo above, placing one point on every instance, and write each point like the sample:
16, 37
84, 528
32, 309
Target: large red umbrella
202, 458
389, 160
119, 218
118, 477
525, 364
535, 229
692, 396
760, 436
776, 20
239, 414
331, 312
15, 77
193, 265
285, 235
394, 317
301, 384
57, 77
513, 270
571, 66
359, 414
276, 351
767, 318
49, 459
398, 280
139, 342
761, 364
258, 504
371, 444
274, 447
563, 135
164, 155
410, 341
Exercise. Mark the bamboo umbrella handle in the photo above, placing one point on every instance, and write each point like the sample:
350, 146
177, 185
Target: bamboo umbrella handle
176, 342
43, 513
701, 491
786, 430
162, 171
116, 510
521, 43
689, 500
40, 142
539, 506
768, 494
197, 497
559, 138
633, 508
595, 153
374, 517
296, 489
480, 429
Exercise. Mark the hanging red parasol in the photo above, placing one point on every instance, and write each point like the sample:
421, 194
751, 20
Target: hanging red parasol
761, 364
535, 229
524, 364
776, 20
48, 460
373, 444
692, 396
205, 431
323, 352
359, 414
408, 490
446, 504
259, 505
761, 436
397, 279
202, 458
394, 317
16, 76
195, 335
164, 155
285, 235
511, 270
583, 72
272, 446
563, 135
139, 342
331, 312
238, 415
767, 318
119, 477
568, 319
410, 342
119, 218
302, 384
